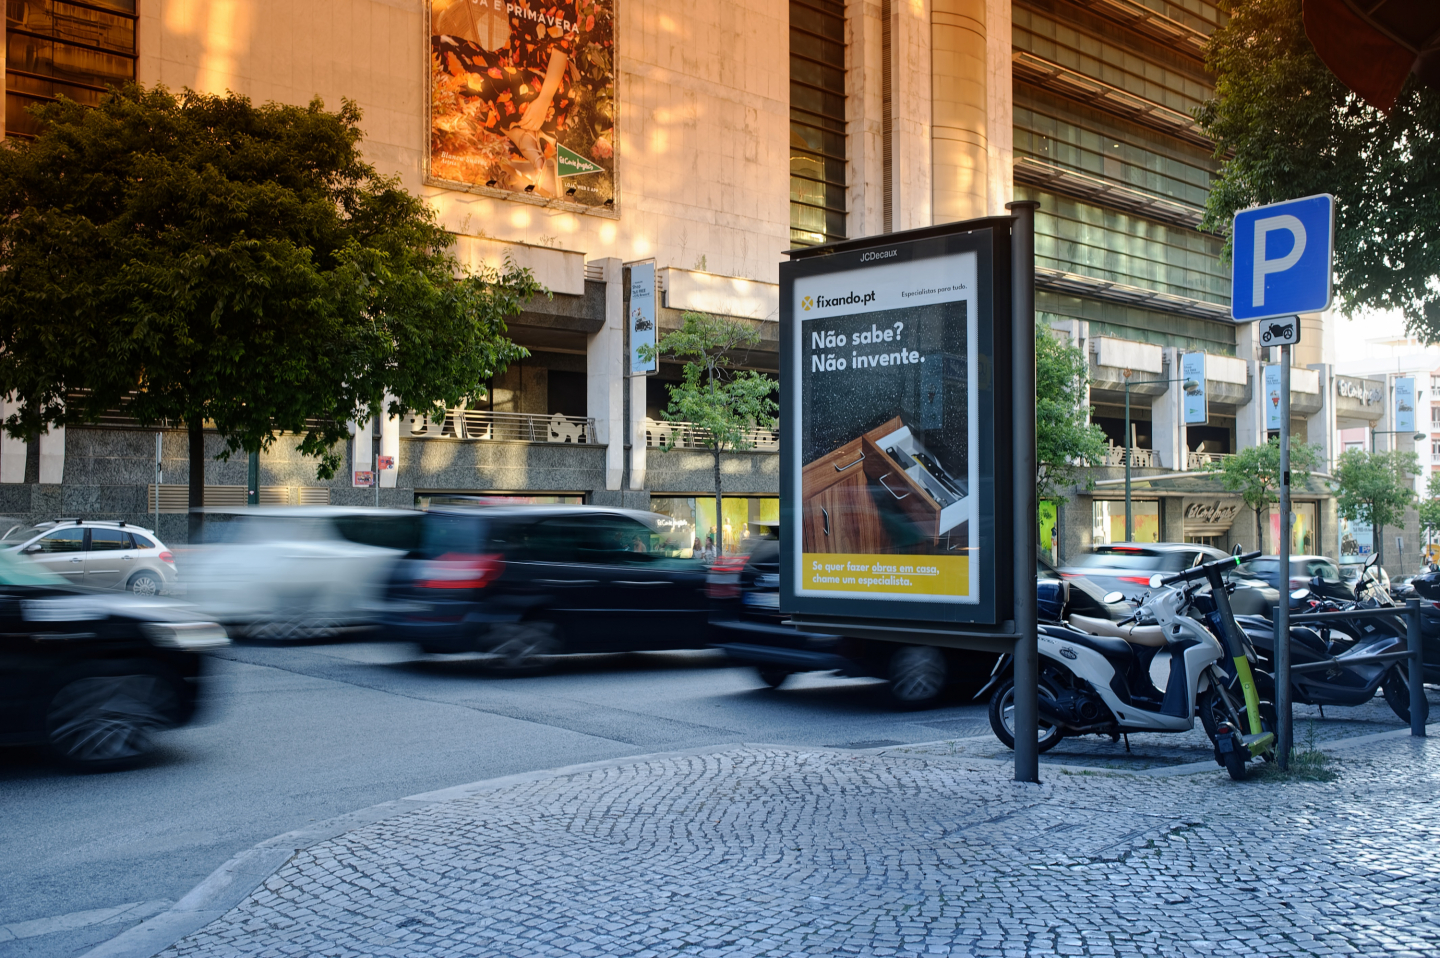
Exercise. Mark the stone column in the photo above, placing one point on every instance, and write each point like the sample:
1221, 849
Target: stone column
52, 456
390, 446
637, 430
960, 143
605, 372
12, 451
1250, 418
1167, 430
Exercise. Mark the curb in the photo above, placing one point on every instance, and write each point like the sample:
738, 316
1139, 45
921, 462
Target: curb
231, 883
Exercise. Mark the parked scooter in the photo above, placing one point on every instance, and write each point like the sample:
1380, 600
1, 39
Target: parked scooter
1154, 681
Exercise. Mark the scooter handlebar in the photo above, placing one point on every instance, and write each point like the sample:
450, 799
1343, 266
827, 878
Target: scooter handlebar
1201, 571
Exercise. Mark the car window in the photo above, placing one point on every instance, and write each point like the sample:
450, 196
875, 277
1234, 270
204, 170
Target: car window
400, 531
443, 533
109, 540
140, 541
63, 540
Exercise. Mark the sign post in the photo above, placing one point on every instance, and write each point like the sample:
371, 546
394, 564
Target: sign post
1027, 621
1283, 263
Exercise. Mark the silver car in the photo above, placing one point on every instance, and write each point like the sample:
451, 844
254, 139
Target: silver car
96, 554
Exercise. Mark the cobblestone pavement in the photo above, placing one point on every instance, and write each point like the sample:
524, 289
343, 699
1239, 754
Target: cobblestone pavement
974, 739
762, 850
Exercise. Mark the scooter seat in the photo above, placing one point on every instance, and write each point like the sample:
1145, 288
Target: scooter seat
1117, 652
1151, 635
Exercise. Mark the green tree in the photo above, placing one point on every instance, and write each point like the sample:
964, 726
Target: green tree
1255, 474
723, 403
1284, 126
196, 258
1064, 441
1429, 507
1375, 487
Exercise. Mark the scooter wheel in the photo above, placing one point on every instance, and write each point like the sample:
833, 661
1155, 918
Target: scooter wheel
1235, 762
1002, 718
1396, 689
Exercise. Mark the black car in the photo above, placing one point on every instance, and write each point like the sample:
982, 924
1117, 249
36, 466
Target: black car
745, 593
524, 582
92, 676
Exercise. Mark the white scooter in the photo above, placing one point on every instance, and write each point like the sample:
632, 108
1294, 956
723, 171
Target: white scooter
1186, 656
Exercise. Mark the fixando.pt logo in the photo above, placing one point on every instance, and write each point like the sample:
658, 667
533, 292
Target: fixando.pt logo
829, 302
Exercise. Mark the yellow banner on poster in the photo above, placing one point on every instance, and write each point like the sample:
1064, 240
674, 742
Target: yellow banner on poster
886, 574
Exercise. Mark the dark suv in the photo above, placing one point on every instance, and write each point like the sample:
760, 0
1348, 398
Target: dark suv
523, 582
90, 675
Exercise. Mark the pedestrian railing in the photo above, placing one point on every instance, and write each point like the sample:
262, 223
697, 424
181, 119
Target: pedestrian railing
485, 425
686, 435
1139, 458
1197, 461
1414, 651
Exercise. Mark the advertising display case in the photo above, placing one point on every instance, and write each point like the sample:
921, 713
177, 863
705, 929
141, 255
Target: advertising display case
894, 503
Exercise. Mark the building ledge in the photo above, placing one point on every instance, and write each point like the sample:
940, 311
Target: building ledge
1142, 19
1075, 284
1086, 187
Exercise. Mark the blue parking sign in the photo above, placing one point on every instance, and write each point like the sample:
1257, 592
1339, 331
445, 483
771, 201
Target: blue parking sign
1282, 258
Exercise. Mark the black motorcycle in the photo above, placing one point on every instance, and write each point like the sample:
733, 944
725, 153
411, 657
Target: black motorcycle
1343, 684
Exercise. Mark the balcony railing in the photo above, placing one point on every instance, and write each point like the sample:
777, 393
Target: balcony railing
685, 435
1196, 461
484, 425
1139, 458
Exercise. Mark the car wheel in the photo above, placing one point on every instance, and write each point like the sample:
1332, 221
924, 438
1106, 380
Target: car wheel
144, 583
99, 722
523, 647
917, 676
773, 677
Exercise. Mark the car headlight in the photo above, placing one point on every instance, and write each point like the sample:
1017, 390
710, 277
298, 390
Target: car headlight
190, 636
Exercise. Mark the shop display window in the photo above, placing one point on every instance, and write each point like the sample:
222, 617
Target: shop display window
1109, 524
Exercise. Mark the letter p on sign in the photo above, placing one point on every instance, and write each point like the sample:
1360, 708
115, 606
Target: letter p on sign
1282, 258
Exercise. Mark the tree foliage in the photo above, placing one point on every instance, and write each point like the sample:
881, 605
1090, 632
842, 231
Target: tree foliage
1284, 126
1429, 507
1255, 474
1375, 487
1064, 441
198, 258
726, 403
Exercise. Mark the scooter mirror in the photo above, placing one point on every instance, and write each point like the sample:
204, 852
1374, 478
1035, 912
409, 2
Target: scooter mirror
1155, 580
1299, 594
1236, 550
1374, 558
1112, 597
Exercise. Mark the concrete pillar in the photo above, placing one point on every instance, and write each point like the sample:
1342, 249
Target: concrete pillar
12, 451
1167, 430
390, 446
1321, 429
999, 107
605, 371
52, 456
1250, 418
637, 432
362, 456
960, 143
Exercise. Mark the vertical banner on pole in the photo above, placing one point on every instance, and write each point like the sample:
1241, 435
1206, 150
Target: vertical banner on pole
1272, 398
642, 316
1405, 404
1192, 370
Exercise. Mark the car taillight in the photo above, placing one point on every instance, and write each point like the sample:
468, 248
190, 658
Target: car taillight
455, 571
167, 556
723, 582
1142, 579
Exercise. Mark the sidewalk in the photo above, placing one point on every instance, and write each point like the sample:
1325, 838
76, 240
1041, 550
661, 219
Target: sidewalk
765, 850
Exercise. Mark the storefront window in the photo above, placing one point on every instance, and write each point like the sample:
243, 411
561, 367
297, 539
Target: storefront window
743, 516
1109, 523
1303, 540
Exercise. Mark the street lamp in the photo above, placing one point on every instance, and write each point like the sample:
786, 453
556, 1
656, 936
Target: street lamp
1189, 384
1418, 437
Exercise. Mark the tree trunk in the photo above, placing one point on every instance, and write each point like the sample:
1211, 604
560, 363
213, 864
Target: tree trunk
1377, 533
1259, 532
196, 429
719, 515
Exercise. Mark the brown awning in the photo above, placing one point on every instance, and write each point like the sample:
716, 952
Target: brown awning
1373, 45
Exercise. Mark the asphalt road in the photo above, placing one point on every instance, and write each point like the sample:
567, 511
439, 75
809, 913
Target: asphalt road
301, 734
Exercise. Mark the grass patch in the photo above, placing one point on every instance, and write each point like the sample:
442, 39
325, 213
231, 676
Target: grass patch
1307, 764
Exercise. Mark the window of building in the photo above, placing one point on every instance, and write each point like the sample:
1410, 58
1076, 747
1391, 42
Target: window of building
695, 517
817, 122
1109, 521
1435, 450
75, 49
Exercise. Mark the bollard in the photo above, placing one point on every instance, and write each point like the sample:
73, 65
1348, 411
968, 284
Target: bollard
1419, 705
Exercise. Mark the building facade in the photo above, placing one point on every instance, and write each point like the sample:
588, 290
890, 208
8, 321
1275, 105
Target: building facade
706, 139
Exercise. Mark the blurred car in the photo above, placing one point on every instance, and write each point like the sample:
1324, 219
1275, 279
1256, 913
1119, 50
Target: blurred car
525, 582
1350, 573
1402, 588
91, 675
1127, 567
751, 630
96, 554
1304, 571
296, 573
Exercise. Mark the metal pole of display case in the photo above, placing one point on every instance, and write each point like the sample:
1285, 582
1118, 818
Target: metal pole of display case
1283, 734
1022, 340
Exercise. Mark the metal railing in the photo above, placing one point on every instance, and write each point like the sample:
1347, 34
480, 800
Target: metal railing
483, 425
1139, 458
1414, 651
1197, 461
685, 435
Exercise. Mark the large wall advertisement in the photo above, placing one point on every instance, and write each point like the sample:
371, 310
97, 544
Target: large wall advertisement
522, 97
884, 444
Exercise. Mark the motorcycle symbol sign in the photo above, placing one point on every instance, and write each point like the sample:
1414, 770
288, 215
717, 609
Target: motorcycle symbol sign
1280, 332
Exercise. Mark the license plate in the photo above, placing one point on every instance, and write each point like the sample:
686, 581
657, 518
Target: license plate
763, 600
